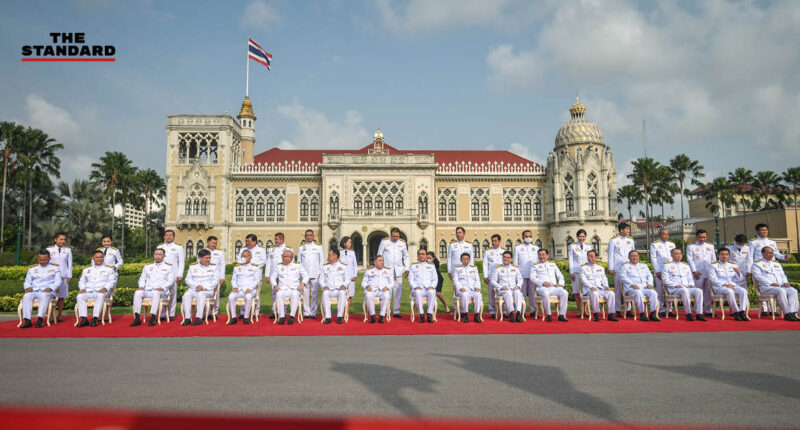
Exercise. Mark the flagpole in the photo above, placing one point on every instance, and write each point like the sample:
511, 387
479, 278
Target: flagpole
247, 79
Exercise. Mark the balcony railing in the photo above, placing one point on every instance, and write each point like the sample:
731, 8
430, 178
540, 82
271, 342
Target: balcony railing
334, 220
568, 215
423, 220
377, 213
193, 221
593, 214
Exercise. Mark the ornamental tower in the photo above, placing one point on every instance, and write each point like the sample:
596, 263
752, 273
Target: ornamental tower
247, 121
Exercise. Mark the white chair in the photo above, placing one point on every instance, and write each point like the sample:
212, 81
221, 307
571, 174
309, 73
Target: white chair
377, 306
106, 312
240, 301
425, 302
539, 305
210, 303
772, 299
645, 302
163, 306
586, 307
288, 302
718, 300
335, 301
50, 314
457, 313
674, 299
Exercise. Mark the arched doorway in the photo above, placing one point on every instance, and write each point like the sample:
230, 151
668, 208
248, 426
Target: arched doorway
358, 247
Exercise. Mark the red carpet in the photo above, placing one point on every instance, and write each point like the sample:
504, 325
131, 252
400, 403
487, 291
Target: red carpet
445, 326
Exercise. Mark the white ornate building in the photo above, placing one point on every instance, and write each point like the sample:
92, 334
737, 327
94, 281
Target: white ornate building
216, 185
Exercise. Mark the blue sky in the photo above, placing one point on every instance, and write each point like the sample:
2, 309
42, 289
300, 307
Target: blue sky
715, 80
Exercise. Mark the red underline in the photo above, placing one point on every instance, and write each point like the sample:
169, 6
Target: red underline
70, 59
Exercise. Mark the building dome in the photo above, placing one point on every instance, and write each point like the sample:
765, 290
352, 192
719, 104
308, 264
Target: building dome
578, 129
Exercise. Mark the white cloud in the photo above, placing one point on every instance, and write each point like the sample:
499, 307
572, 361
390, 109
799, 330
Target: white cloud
260, 14
313, 129
525, 152
509, 71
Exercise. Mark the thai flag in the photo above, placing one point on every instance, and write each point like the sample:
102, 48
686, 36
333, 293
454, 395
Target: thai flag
258, 53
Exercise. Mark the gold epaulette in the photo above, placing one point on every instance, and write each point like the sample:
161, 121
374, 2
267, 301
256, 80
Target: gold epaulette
111, 266
54, 264
167, 263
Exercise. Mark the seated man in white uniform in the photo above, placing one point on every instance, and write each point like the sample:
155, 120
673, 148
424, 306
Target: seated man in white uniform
333, 281
507, 281
96, 282
726, 279
41, 283
378, 282
549, 281
422, 278
467, 285
244, 285
203, 281
594, 284
288, 280
155, 283
679, 280
637, 283
771, 279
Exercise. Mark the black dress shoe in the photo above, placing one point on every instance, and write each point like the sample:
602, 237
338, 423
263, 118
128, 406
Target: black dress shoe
618, 314
421, 319
234, 320
765, 314
492, 316
281, 320
519, 317
272, 316
326, 321
291, 320
737, 316
629, 314
380, 319
153, 321
136, 321
465, 319
398, 316
643, 317
83, 322
430, 318
26, 324
549, 318
94, 322
562, 318
672, 314
613, 317
701, 318
477, 318
506, 316
533, 315
595, 316
39, 322
689, 317
312, 317
197, 321
709, 314
372, 319
654, 317
59, 319
789, 317
186, 322
246, 321
339, 320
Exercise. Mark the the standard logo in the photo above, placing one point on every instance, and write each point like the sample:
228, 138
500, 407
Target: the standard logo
68, 47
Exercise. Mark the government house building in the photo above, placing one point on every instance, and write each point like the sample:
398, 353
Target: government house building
217, 185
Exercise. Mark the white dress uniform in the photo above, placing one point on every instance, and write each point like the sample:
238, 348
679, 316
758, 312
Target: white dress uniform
618, 249
454, 251
218, 259
699, 258
273, 259
721, 274
660, 254
245, 280
639, 275
288, 277
756, 244
423, 276
492, 258
176, 257
334, 276
679, 280
199, 275
312, 257
766, 273
577, 258
594, 276
467, 278
258, 255
525, 255
740, 256
381, 281
155, 282
549, 272
351, 263
93, 279
39, 278
61, 257
111, 256
507, 280
395, 255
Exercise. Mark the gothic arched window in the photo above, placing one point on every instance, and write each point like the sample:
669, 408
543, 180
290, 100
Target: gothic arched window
189, 249
422, 202
476, 247
442, 249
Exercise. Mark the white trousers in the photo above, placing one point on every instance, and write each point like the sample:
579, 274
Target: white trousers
685, 294
63, 290
397, 290
704, 285
660, 289
341, 304
563, 298
99, 302
576, 283
610, 296
44, 302
430, 293
153, 295
529, 292
787, 298
369, 297
731, 294
200, 297
492, 300
248, 302
463, 300
173, 300
513, 299
614, 306
351, 289
310, 297
293, 296
638, 298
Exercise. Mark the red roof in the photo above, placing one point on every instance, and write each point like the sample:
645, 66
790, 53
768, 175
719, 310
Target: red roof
277, 155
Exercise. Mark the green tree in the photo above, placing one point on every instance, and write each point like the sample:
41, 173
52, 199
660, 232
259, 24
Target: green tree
685, 169
116, 174
10, 134
792, 179
766, 192
741, 181
38, 161
718, 196
646, 175
629, 195
153, 188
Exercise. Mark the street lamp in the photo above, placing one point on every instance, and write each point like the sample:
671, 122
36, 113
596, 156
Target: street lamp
716, 227
19, 235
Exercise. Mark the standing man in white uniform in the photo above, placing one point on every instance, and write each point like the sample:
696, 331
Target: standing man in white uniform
594, 284
525, 254
244, 285
549, 281
96, 282
395, 255
61, 256
492, 258
111, 255
637, 282
176, 257
661, 254
348, 257
289, 280
311, 256
203, 281
274, 257
333, 281
41, 283
618, 248
456, 248
155, 283
467, 285
699, 255
218, 260
378, 282
725, 278
679, 280
577, 258
771, 279
507, 280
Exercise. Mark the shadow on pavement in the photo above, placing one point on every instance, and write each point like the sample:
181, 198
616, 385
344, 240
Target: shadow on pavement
388, 383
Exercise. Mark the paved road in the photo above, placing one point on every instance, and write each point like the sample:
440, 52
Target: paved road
748, 378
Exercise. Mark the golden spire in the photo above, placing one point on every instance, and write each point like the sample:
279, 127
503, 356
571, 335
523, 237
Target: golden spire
247, 110
577, 110
378, 134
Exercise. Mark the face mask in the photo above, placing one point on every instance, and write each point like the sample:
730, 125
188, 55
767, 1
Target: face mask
528, 240
429, 260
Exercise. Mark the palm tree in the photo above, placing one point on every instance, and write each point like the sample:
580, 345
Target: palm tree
741, 181
152, 188
683, 169
115, 173
37, 159
765, 187
646, 175
792, 178
630, 195
665, 189
718, 196
9, 133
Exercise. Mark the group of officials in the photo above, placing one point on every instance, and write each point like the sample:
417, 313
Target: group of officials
311, 275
